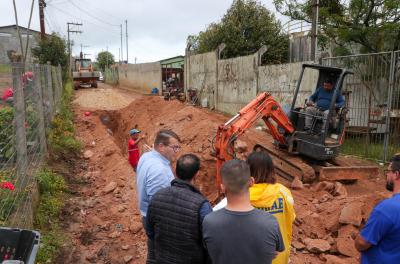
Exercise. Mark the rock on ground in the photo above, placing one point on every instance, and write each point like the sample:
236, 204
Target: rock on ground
317, 245
351, 214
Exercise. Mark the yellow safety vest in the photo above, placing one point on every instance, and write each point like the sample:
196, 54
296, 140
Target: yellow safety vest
277, 200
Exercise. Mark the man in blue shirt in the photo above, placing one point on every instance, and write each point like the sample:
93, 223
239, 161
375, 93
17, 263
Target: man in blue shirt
175, 217
154, 172
379, 241
319, 103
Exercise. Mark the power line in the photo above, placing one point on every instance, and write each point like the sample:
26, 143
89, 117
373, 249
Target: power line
88, 14
101, 10
51, 18
48, 23
73, 16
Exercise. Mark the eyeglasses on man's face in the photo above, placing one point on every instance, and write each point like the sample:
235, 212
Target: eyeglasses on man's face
175, 148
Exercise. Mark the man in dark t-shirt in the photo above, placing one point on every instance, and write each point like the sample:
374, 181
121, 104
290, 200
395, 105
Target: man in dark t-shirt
239, 233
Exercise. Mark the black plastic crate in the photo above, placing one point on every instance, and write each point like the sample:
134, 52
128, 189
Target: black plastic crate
18, 244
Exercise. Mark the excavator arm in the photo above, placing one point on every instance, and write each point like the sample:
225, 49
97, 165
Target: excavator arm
263, 107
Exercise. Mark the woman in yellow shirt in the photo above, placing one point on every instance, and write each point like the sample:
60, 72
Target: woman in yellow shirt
268, 195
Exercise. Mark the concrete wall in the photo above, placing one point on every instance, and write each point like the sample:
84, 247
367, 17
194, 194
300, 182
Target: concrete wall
9, 41
201, 74
230, 84
141, 77
237, 83
280, 80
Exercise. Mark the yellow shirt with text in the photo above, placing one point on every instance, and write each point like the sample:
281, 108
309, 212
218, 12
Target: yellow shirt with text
278, 201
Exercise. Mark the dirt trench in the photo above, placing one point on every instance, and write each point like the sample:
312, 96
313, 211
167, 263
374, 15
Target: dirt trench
104, 219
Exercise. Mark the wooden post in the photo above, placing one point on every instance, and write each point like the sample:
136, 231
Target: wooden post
56, 88
50, 91
38, 97
19, 124
60, 84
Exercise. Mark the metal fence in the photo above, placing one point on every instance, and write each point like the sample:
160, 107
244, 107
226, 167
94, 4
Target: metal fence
31, 95
111, 75
373, 98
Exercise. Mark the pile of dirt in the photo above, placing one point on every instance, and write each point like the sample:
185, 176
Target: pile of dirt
104, 218
195, 127
317, 233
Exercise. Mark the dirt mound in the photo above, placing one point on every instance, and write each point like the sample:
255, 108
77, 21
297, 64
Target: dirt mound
323, 231
318, 211
195, 127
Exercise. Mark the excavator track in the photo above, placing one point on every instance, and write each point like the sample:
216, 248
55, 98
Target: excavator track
290, 167
287, 166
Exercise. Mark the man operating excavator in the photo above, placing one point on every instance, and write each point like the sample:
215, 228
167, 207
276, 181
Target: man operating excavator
319, 102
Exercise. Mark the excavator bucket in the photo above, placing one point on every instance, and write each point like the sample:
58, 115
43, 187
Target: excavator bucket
348, 173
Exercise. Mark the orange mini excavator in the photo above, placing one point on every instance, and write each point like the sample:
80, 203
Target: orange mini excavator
296, 152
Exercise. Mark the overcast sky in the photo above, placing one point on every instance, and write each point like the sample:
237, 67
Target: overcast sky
157, 29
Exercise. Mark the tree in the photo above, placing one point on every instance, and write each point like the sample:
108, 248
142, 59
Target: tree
246, 27
52, 48
366, 26
105, 59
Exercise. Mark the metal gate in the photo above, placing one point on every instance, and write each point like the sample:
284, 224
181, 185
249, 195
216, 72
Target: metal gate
373, 99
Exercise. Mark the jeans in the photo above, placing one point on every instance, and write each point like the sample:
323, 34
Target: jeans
151, 259
313, 111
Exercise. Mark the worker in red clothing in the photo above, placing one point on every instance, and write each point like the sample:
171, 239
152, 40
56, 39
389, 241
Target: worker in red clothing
133, 148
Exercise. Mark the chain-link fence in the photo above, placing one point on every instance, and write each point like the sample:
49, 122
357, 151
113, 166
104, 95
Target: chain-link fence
373, 98
111, 75
31, 95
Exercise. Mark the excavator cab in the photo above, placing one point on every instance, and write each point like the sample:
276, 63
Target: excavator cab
319, 141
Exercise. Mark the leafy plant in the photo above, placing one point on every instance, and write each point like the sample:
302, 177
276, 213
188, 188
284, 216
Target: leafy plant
51, 243
355, 26
49, 182
61, 137
51, 189
245, 28
6, 133
53, 49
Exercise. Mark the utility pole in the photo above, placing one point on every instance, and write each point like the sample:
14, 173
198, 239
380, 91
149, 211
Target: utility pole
122, 53
314, 29
69, 42
107, 59
42, 5
126, 31
83, 46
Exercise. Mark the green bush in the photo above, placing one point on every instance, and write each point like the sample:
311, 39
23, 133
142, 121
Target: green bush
61, 137
48, 211
50, 183
51, 189
6, 133
51, 243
